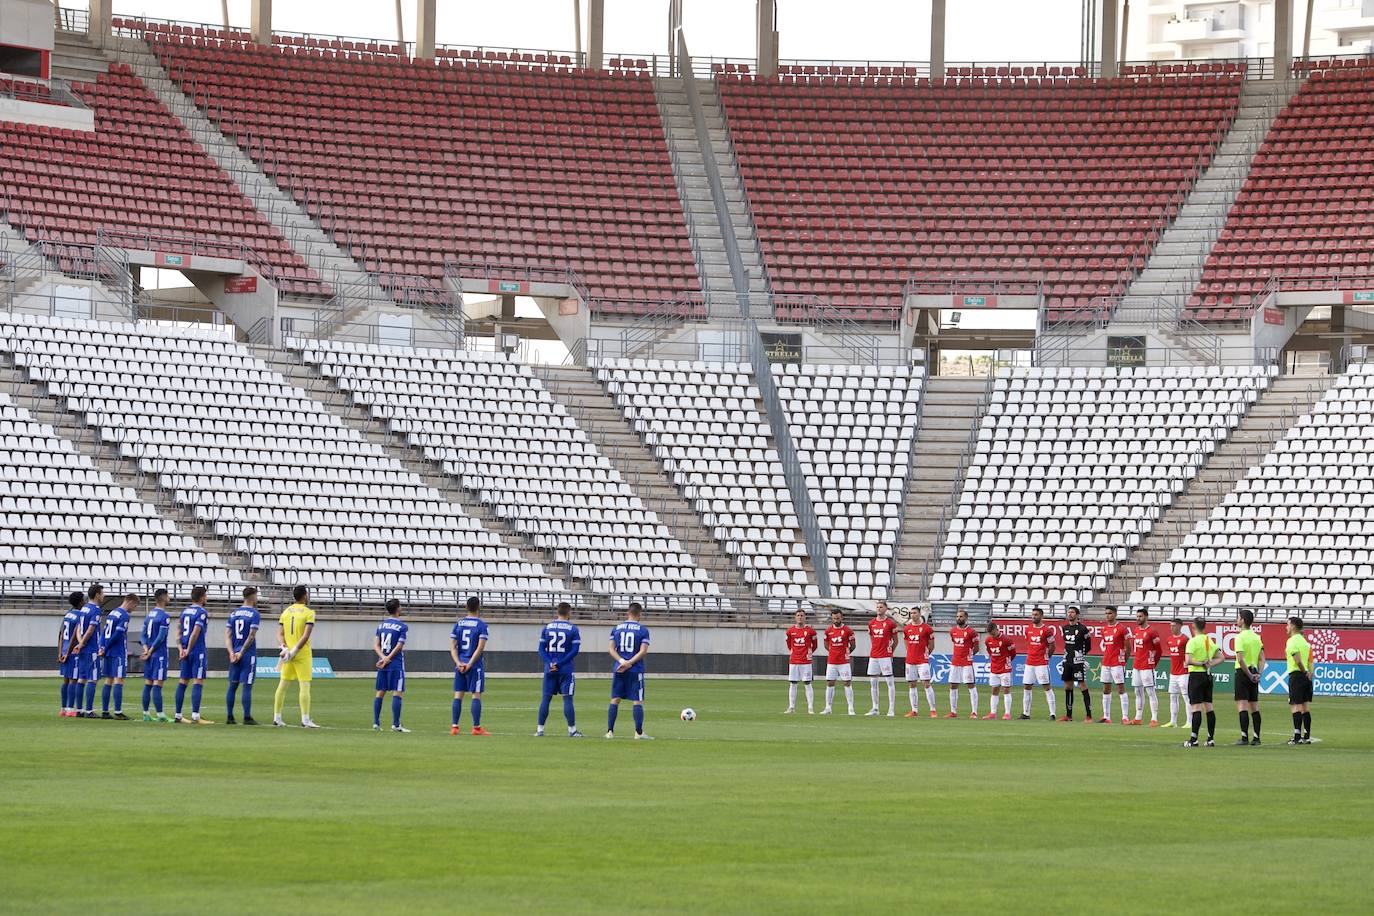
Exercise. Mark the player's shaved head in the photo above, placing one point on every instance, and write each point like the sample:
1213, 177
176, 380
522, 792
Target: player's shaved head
76, 599
300, 593
1295, 623
130, 600
800, 615
198, 594
881, 608
160, 596
1245, 617
564, 609
992, 628
1199, 625
474, 604
250, 594
95, 592
393, 607
635, 610
961, 617
1038, 614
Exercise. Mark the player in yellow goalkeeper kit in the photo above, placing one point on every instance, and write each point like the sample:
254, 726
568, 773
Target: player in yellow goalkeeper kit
296, 625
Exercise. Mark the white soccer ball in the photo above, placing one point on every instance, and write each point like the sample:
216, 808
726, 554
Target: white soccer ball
688, 715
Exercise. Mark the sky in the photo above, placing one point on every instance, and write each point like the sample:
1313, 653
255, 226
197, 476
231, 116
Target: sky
1020, 30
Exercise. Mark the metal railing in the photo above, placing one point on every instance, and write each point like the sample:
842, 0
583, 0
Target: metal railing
67, 19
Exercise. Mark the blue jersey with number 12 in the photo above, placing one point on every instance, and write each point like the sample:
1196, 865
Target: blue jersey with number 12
627, 638
240, 625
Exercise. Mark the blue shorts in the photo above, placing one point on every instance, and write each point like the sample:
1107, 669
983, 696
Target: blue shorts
193, 667
87, 666
67, 669
392, 677
114, 665
472, 682
628, 685
244, 671
561, 683
155, 668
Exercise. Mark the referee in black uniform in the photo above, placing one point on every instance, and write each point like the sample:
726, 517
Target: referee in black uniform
1203, 655
1078, 642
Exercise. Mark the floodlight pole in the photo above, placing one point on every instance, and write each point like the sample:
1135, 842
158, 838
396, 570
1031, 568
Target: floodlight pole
596, 34
425, 11
1283, 39
261, 24
400, 27
101, 13
766, 38
1108, 55
937, 39
577, 28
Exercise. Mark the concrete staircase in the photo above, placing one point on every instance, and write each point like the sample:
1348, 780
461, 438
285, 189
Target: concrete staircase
950, 412
331, 263
1176, 263
340, 403
689, 166
587, 402
44, 408
75, 58
1268, 420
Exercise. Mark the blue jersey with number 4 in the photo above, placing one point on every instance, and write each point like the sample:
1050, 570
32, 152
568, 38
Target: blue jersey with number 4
390, 634
559, 644
155, 631
627, 638
242, 623
467, 633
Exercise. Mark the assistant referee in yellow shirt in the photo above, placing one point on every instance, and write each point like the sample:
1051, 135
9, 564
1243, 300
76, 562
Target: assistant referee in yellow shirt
294, 628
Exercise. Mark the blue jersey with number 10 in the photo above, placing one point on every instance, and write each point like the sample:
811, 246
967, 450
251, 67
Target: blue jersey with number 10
627, 638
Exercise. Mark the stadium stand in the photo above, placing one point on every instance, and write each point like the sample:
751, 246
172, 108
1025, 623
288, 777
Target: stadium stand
139, 174
860, 181
410, 164
297, 490
493, 426
66, 522
1302, 210
853, 427
1073, 467
1295, 532
702, 420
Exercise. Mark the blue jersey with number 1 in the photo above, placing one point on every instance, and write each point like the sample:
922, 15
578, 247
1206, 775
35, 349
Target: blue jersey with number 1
627, 638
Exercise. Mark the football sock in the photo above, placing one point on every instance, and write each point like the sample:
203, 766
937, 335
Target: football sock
1297, 725
279, 699
873, 689
911, 695
810, 696
792, 695
1245, 724
157, 698
1006, 705
305, 699
570, 713
1154, 703
849, 696
1307, 724
1173, 708
196, 691
376, 710
1049, 697
544, 710
181, 697
1106, 705
891, 695
930, 698
230, 695
610, 716
954, 699
1211, 724
1139, 703
457, 711
1088, 704
1068, 701
476, 712
147, 695
1255, 721
90, 696
105, 697
247, 701
396, 709
1196, 723
973, 699
1025, 702
639, 719
119, 697
829, 696
63, 707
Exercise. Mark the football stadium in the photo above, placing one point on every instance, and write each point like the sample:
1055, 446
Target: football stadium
526, 476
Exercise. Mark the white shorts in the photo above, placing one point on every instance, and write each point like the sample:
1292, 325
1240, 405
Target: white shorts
1036, 674
1143, 678
1178, 683
918, 672
880, 666
961, 675
843, 672
797, 673
1116, 674
999, 680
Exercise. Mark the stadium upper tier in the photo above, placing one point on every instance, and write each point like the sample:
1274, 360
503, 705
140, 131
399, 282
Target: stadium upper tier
859, 183
1304, 209
138, 174
410, 164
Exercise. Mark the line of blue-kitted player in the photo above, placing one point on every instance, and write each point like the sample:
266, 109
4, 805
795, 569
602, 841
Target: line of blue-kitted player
93, 647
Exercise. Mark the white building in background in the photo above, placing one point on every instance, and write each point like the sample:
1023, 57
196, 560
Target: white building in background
1201, 29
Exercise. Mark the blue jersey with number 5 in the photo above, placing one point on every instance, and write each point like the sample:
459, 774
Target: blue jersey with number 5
627, 638
242, 623
390, 634
467, 633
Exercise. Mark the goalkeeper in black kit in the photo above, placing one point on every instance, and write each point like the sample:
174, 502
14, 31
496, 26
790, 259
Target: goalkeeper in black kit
1078, 641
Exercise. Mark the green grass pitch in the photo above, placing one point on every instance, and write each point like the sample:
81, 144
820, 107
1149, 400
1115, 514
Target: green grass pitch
744, 810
